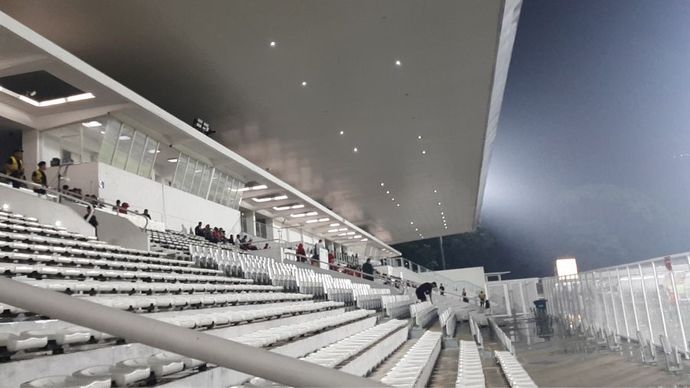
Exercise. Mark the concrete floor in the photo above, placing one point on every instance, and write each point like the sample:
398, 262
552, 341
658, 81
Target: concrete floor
572, 361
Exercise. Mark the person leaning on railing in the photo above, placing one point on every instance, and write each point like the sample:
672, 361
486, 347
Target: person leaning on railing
14, 167
39, 177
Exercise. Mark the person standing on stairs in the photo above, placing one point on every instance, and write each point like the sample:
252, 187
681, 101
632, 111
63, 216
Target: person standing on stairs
482, 298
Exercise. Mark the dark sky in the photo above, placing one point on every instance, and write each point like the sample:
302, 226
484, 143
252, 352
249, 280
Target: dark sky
592, 156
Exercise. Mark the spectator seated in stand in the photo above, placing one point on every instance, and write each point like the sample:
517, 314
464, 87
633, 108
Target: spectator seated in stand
39, 178
146, 214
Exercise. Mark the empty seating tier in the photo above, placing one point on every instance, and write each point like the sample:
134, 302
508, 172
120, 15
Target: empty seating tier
470, 370
415, 368
423, 313
153, 368
514, 372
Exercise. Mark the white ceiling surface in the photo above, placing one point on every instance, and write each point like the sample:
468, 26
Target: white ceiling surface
212, 59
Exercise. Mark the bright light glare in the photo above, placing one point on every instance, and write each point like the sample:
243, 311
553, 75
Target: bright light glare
566, 267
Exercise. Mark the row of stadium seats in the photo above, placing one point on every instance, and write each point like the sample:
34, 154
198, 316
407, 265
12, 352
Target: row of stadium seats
414, 369
470, 370
423, 313
513, 371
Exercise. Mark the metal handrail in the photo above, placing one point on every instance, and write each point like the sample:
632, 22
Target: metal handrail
60, 194
47, 189
189, 343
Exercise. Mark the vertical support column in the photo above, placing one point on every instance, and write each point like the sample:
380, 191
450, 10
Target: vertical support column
632, 300
522, 298
31, 147
646, 305
625, 315
506, 297
680, 317
603, 301
658, 298
613, 304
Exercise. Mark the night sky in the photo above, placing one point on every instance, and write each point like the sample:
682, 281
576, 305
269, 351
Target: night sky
592, 157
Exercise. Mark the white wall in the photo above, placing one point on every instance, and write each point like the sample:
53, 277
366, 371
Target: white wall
474, 275
139, 192
184, 210
83, 176
48, 212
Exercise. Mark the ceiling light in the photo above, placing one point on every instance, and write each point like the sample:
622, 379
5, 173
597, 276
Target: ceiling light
288, 207
435, 191
5, 206
416, 229
272, 44
154, 151
92, 124
423, 152
102, 132
332, 230
255, 187
355, 150
411, 222
388, 191
398, 63
267, 199
79, 97
446, 227
441, 213
392, 199
197, 171
439, 204
319, 220
342, 132
334, 224
58, 223
172, 160
419, 137
304, 83
382, 184
56, 101
124, 137
308, 214
397, 204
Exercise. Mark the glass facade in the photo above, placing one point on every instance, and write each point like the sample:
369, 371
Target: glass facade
120, 145
198, 178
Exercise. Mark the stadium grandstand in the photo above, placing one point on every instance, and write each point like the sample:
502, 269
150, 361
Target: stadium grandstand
156, 250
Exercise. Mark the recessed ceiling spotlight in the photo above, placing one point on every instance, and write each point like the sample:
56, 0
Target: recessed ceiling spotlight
439, 204
124, 137
388, 191
272, 44
304, 83
398, 63
441, 213
355, 150
423, 152
397, 204
435, 191
392, 199
172, 160
419, 137
411, 222
416, 229
342, 132
382, 184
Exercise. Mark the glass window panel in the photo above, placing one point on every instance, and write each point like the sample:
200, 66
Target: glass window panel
205, 181
124, 143
136, 152
150, 153
189, 175
179, 171
112, 131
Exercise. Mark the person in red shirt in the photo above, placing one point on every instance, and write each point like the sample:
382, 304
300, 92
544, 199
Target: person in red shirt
301, 254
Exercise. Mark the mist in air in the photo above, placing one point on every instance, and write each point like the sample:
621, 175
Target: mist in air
592, 157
